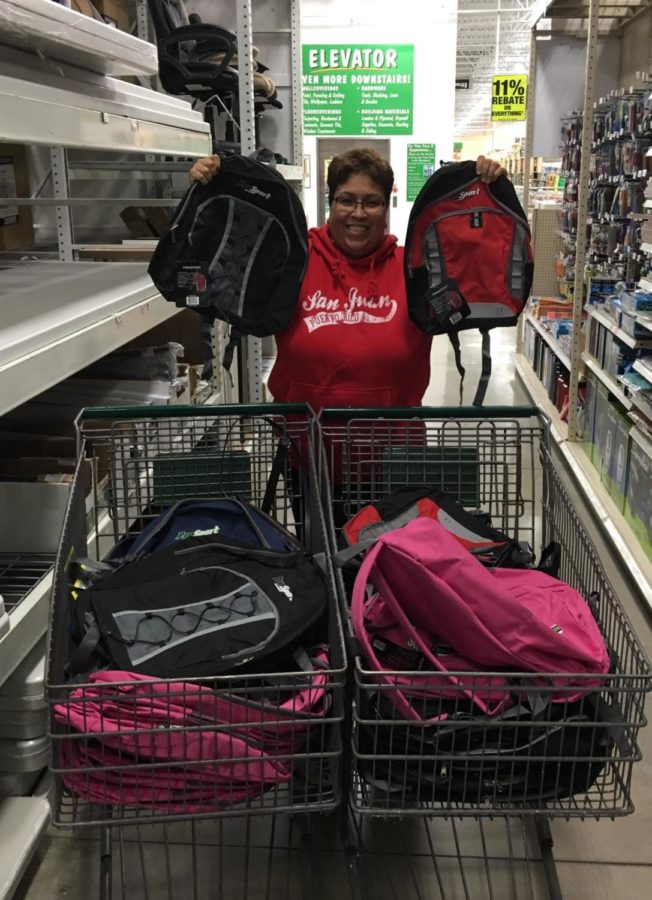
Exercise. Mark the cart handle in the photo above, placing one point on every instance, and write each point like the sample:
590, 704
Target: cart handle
432, 412
181, 410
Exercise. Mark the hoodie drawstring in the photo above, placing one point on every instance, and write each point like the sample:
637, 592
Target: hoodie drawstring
373, 287
338, 270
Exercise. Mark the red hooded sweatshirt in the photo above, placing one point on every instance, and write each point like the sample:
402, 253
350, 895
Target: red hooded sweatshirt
351, 341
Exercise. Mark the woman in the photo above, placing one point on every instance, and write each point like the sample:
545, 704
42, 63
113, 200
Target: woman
351, 341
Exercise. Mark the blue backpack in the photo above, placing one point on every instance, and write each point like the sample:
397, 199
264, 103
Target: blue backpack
207, 587
227, 517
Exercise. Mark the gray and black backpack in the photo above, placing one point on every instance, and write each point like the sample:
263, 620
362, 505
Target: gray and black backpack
237, 250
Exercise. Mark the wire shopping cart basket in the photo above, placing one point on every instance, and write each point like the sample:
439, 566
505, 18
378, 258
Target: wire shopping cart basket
155, 765
452, 764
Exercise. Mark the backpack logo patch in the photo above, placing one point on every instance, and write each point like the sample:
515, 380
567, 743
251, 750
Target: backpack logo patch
198, 532
253, 189
283, 587
464, 195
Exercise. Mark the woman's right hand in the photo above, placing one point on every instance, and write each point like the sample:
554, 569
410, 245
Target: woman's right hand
205, 169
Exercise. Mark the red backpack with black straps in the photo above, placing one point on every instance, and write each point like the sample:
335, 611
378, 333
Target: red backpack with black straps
468, 258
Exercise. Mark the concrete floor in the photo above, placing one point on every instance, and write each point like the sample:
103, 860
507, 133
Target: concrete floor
596, 860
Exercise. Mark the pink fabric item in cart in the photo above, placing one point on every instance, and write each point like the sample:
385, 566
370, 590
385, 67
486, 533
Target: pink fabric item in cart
182, 747
500, 620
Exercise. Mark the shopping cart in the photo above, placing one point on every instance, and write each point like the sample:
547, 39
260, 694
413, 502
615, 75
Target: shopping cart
132, 464
433, 806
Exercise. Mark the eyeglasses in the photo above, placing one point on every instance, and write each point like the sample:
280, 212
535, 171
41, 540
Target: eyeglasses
369, 204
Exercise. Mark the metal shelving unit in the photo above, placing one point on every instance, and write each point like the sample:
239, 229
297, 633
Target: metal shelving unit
47, 336
609, 382
60, 316
589, 22
549, 339
606, 322
66, 35
246, 32
65, 106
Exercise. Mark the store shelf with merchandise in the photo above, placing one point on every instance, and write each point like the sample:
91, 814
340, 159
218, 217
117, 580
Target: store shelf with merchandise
542, 370
59, 317
611, 353
609, 511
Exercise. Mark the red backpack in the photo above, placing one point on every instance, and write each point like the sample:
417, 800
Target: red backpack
468, 259
473, 530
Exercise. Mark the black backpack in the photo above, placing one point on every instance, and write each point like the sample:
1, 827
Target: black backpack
468, 259
201, 607
237, 250
522, 756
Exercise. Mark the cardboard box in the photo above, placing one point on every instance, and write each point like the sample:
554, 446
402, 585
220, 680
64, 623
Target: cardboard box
16, 226
86, 8
638, 503
114, 13
615, 465
147, 222
118, 252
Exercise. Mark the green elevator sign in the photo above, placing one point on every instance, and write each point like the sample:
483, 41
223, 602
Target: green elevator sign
358, 89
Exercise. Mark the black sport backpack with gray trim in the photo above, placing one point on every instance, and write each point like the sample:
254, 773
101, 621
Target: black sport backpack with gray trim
237, 250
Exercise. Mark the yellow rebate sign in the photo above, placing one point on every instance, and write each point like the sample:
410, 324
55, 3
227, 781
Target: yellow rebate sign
508, 98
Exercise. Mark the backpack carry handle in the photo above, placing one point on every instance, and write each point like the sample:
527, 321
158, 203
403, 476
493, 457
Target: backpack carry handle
358, 599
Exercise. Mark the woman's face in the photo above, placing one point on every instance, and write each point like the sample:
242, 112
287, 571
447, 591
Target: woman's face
357, 229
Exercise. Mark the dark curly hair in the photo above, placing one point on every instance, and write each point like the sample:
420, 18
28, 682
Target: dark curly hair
364, 161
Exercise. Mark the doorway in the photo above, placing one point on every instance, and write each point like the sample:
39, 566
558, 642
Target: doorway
327, 148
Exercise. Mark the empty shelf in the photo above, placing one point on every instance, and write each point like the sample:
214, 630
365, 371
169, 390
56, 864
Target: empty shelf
59, 317
56, 104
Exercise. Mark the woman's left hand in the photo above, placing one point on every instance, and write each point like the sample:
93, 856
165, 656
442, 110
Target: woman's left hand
488, 169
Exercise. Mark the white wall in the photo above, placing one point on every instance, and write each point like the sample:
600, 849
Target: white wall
431, 25
561, 71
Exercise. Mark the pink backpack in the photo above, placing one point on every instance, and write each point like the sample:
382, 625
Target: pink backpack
219, 748
428, 590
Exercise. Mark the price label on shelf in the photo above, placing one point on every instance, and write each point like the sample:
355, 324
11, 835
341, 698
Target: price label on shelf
508, 98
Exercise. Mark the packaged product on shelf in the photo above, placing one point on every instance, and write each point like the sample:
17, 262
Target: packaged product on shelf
601, 287
636, 301
613, 307
588, 429
603, 344
615, 464
638, 503
16, 226
600, 425
630, 325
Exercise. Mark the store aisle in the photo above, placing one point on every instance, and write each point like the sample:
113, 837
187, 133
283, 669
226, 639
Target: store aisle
505, 388
601, 860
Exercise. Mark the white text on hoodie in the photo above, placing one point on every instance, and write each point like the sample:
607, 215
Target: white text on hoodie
353, 310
